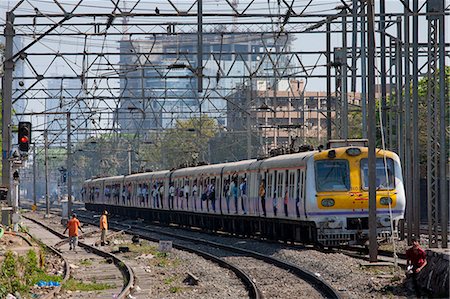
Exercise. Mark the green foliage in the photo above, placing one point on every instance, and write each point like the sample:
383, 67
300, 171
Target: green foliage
175, 289
76, 285
86, 262
188, 141
19, 273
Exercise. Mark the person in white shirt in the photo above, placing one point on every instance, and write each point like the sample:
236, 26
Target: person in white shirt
171, 195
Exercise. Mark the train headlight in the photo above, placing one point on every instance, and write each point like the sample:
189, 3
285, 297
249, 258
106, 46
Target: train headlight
353, 151
385, 201
327, 202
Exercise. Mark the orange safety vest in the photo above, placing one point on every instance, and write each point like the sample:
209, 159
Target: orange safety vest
73, 226
103, 222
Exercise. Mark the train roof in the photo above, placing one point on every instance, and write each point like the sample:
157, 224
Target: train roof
286, 161
146, 175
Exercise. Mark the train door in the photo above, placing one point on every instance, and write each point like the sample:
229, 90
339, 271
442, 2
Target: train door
271, 195
195, 193
301, 189
279, 185
292, 191
224, 194
219, 192
262, 200
252, 193
215, 194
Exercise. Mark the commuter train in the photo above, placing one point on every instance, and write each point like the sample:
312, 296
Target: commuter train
319, 196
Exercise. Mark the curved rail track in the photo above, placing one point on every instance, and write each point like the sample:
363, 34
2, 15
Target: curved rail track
126, 272
265, 270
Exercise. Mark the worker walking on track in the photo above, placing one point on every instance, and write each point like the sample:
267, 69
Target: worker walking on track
104, 227
73, 225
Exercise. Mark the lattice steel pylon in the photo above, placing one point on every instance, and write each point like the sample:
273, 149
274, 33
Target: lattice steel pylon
435, 123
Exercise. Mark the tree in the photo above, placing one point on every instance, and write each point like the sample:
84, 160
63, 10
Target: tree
187, 143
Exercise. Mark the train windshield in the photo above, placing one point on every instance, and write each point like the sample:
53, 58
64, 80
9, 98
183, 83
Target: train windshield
382, 182
332, 175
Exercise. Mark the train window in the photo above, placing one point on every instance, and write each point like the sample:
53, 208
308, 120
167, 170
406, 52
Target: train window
332, 175
269, 185
280, 183
381, 182
291, 189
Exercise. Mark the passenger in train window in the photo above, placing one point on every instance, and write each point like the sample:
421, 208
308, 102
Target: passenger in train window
171, 195
234, 193
226, 193
195, 194
262, 195
186, 193
243, 190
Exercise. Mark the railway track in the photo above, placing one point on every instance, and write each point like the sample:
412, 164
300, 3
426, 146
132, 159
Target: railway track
106, 267
270, 277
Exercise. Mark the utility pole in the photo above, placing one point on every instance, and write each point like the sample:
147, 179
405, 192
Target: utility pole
47, 199
373, 250
328, 80
199, 46
69, 166
34, 174
7, 101
129, 158
249, 131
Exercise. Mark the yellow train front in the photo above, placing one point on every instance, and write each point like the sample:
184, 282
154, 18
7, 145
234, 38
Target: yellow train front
338, 199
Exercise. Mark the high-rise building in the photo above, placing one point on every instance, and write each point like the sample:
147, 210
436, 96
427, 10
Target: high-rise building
67, 95
158, 76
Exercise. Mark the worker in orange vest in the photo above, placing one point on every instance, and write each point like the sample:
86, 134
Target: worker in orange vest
104, 226
73, 225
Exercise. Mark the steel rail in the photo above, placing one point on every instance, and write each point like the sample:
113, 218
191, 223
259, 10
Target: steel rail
123, 267
251, 287
319, 284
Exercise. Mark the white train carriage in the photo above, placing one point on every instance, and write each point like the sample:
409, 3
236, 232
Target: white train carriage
326, 190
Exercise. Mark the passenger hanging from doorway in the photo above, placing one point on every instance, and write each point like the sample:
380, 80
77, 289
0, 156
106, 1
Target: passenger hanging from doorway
275, 203
234, 193
155, 196
124, 194
286, 201
226, 193
161, 194
212, 194
243, 189
171, 195
204, 199
262, 195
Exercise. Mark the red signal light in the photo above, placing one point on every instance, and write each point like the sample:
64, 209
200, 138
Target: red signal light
23, 139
